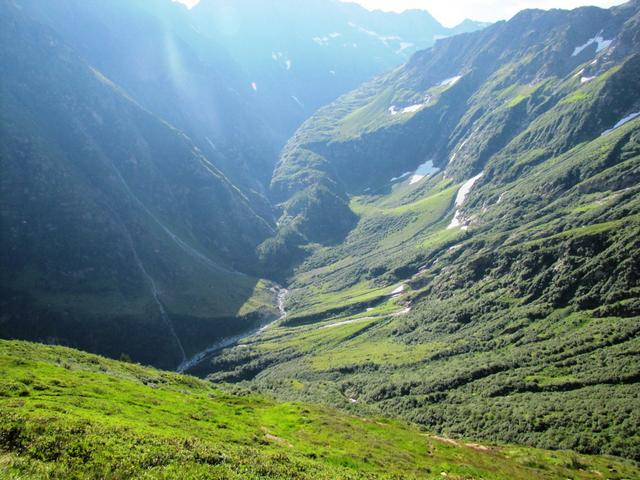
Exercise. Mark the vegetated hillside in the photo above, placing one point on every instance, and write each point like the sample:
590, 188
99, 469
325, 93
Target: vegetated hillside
496, 294
237, 77
66, 414
137, 144
152, 51
563, 76
117, 234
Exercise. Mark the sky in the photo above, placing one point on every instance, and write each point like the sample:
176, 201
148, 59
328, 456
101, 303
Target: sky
452, 12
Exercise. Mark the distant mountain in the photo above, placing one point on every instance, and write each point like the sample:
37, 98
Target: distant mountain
238, 85
150, 49
303, 55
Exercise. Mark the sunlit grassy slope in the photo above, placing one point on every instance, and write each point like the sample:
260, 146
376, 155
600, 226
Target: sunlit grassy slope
523, 328
66, 414
391, 229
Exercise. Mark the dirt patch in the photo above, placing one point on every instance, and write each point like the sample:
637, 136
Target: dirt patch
450, 441
478, 447
348, 322
278, 440
274, 439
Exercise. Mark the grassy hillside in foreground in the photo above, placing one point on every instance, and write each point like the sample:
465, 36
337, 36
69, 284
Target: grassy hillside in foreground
66, 414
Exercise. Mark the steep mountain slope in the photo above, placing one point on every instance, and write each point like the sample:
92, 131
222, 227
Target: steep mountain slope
457, 105
304, 55
223, 75
480, 270
150, 49
65, 414
130, 222
118, 235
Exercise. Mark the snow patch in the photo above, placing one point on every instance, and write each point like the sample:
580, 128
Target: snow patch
401, 177
450, 82
398, 290
413, 108
425, 170
405, 46
584, 78
393, 110
626, 119
324, 40
383, 38
415, 179
466, 188
455, 154
460, 199
602, 44
282, 59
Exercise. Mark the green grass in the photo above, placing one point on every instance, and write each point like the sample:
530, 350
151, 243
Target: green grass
575, 97
368, 117
522, 329
586, 230
329, 300
390, 228
441, 237
519, 93
70, 415
370, 349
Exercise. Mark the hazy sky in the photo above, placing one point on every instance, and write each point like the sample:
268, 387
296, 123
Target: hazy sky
451, 12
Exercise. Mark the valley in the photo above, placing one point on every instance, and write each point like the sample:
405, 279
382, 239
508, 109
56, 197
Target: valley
515, 322
342, 244
267, 321
149, 148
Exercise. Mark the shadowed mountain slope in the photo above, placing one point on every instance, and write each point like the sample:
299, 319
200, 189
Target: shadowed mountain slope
118, 234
